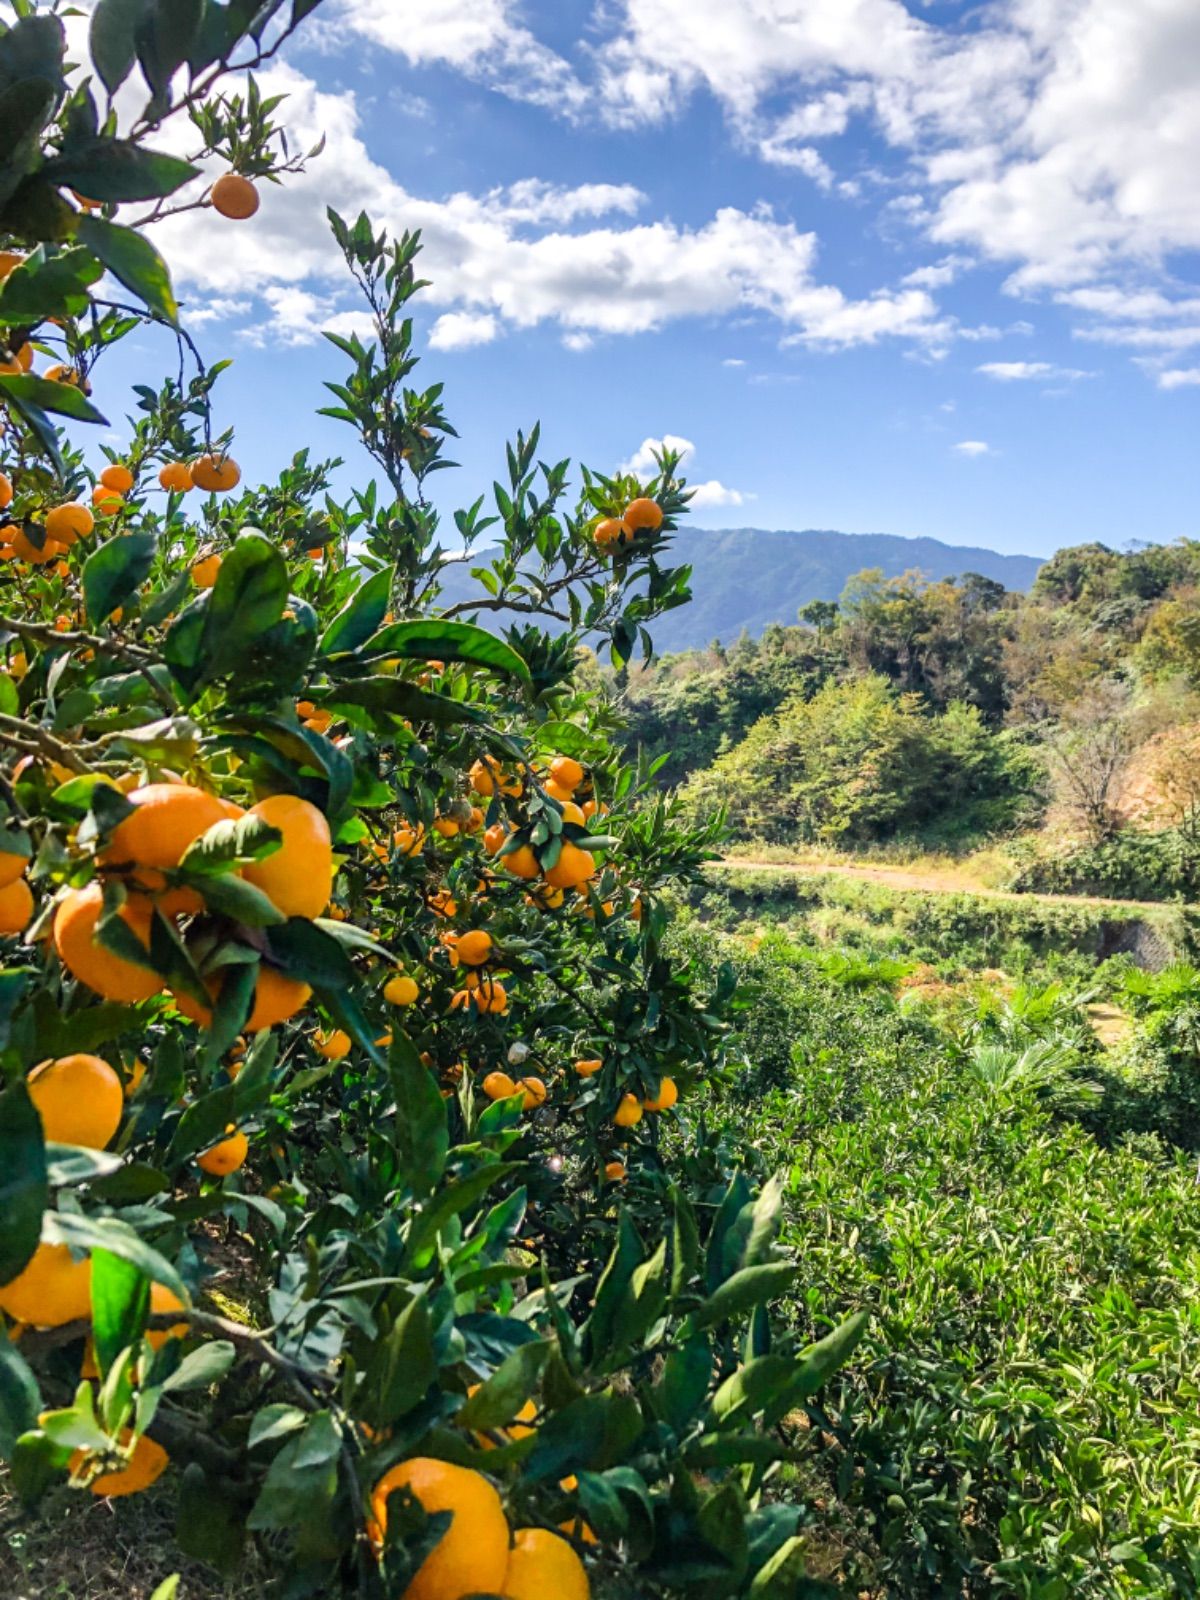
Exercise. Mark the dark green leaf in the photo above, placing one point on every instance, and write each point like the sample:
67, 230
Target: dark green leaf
20, 1400
112, 39
24, 1191
114, 571
402, 1366
432, 640
133, 261
422, 1131
118, 169
360, 616
45, 395
49, 286
211, 1525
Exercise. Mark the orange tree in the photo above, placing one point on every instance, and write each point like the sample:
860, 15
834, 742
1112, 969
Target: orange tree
337, 1031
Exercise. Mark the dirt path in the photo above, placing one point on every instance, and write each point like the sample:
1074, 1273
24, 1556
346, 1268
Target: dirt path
948, 881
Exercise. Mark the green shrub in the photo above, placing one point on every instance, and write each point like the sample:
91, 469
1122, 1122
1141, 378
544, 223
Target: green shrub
1133, 865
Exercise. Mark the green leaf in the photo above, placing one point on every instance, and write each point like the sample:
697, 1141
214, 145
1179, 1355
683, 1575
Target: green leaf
422, 1131
203, 1123
248, 598
33, 47
230, 844
613, 1288
165, 39
107, 1233
202, 1367
211, 1524
274, 1422
432, 640
820, 1362
750, 1287
49, 286
133, 261
120, 1304
115, 570
24, 1190
402, 1366
449, 1203
70, 1164
393, 697
20, 1399
25, 108
360, 616
498, 1400
43, 394
112, 39
120, 169
168, 1589
589, 1434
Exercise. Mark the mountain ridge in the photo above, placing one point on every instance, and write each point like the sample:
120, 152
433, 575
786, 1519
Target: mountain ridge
743, 579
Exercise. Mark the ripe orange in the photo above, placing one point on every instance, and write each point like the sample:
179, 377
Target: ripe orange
12, 865
493, 839
9, 260
474, 947
224, 1157
557, 791
629, 1112
566, 772
521, 862
50, 1290
234, 197
535, 1093
107, 501
69, 522
164, 1299
490, 996
333, 1046
26, 550
276, 998
118, 478
16, 907
540, 1564
176, 476
642, 515
498, 1086
400, 990
668, 1094
216, 474
298, 877
109, 975
573, 813
147, 1463
614, 1172
587, 1069
20, 361
471, 1557
79, 1099
204, 573
574, 866
167, 817
609, 531
482, 777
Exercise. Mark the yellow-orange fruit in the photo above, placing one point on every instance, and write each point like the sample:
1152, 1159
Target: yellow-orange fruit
26, 550
224, 1157
176, 476
16, 907
235, 197
566, 772
216, 474
276, 998
50, 1290
167, 817
69, 522
12, 865
574, 866
79, 1099
498, 1086
614, 1172
110, 975
333, 1046
521, 862
145, 1466
668, 1094
471, 1557
629, 1112
298, 877
589, 1068
609, 531
644, 515
400, 990
206, 571
118, 478
535, 1093
474, 947
541, 1566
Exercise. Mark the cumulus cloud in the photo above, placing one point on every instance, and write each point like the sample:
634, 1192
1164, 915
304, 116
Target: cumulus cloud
1055, 138
1179, 378
974, 447
710, 493
714, 493
459, 330
1029, 371
526, 254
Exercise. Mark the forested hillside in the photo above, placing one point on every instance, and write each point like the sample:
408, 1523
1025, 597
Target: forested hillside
745, 579
958, 711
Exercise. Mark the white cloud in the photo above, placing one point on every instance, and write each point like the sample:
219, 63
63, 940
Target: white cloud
642, 463
1179, 378
577, 342
938, 274
714, 493
522, 255
459, 330
1029, 371
733, 361
974, 447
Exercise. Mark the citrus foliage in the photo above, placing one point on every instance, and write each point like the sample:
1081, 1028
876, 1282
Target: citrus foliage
334, 935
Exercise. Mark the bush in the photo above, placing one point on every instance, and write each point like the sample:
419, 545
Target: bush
1132, 865
859, 762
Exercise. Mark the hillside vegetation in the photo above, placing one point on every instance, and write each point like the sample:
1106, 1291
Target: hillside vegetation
956, 711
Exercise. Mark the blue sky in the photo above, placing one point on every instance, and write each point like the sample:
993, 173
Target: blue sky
925, 269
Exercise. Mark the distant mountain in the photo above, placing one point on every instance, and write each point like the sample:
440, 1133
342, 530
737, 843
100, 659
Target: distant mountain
744, 578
